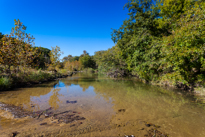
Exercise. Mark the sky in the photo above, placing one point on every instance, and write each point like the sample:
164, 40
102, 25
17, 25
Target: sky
73, 25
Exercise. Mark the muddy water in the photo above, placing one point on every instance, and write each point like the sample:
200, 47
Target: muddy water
109, 107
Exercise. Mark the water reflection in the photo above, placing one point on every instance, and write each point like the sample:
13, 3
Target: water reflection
54, 99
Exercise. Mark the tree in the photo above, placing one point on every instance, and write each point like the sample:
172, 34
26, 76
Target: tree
8, 55
135, 37
86, 60
84, 53
1, 35
164, 40
43, 58
67, 58
73, 66
110, 60
16, 49
183, 52
24, 43
55, 54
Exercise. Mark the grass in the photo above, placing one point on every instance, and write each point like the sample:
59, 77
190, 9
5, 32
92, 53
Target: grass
27, 76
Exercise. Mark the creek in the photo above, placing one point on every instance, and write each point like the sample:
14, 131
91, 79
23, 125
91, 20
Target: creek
93, 105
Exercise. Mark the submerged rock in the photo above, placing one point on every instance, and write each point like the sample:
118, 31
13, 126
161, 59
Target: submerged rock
43, 124
60, 117
72, 102
121, 110
16, 111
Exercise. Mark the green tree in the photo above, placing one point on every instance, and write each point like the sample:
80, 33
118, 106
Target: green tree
183, 52
136, 37
163, 40
110, 60
86, 60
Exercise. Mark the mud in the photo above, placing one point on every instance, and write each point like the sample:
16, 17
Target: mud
62, 117
49, 117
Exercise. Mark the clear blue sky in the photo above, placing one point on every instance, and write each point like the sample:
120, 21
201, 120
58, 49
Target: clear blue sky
73, 25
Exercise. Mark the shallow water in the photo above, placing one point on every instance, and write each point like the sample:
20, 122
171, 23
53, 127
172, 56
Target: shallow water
111, 107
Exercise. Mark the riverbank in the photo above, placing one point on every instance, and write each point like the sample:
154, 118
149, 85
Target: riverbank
196, 89
30, 78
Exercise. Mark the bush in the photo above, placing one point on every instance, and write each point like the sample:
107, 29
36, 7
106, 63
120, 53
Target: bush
5, 83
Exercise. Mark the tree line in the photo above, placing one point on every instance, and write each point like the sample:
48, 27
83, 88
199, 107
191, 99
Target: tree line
162, 41
18, 50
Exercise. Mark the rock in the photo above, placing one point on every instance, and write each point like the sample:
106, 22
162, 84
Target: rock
129, 136
72, 102
46, 115
121, 110
82, 118
43, 124
148, 125
14, 133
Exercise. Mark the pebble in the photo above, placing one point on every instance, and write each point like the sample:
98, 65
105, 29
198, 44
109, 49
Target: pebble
46, 115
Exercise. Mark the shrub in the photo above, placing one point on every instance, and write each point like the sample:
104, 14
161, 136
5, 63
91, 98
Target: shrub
5, 83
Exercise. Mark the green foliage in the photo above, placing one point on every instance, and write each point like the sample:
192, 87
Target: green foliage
88, 70
63, 71
109, 60
183, 52
87, 61
5, 83
162, 41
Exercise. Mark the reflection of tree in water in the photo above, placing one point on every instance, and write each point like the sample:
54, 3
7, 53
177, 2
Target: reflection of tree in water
84, 86
54, 99
131, 91
81, 82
